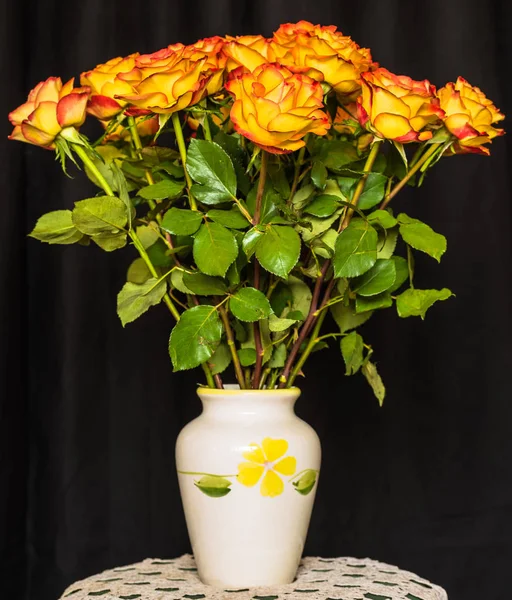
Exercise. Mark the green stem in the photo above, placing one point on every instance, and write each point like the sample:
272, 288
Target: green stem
80, 150
138, 245
144, 255
199, 473
183, 153
298, 165
208, 374
361, 183
433, 148
256, 327
132, 126
206, 128
232, 347
307, 351
273, 380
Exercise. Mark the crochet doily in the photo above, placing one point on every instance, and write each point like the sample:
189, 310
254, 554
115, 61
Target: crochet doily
317, 579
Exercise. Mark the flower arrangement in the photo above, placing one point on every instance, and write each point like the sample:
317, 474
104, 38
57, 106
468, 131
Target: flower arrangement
252, 180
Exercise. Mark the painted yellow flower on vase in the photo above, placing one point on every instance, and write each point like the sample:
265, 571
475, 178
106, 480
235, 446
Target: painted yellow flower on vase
266, 463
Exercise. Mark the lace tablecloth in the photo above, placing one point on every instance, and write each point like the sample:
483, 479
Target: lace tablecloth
317, 579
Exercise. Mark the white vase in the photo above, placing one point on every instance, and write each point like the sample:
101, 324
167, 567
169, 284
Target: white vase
248, 470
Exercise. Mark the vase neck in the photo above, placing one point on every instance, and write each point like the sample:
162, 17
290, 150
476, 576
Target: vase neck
253, 404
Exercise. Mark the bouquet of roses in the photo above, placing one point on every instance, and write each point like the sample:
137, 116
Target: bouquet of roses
252, 179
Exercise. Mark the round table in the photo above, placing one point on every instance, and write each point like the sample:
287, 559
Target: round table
317, 579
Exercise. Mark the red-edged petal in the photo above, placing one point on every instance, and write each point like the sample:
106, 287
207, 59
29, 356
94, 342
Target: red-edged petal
103, 107
71, 109
36, 136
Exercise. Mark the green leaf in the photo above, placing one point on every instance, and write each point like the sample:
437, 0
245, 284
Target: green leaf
363, 305
356, 249
204, 285
147, 235
334, 154
177, 282
269, 201
251, 239
373, 192
422, 237
352, 350
138, 272
215, 248
280, 324
195, 337
249, 304
220, 360
378, 279
306, 482
233, 218
347, 185
235, 270
402, 273
211, 168
159, 254
382, 218
110, 241
281, 298
302, 196
278, 250
369, 370
231, 144
317, 226
319, 174
278, 358
180, 221
301, 297
322, 206
346, 318
415, 303
135, 299
247, 356
102, 214
56, 228
387, 243
162, 190
214, 486
279, 179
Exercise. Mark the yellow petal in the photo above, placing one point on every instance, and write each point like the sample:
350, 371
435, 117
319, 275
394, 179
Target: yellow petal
385, 102
272, 485
274, 449
391, 126
254, 454
249, 473
44, 118
245, 56
286, 466
287, 123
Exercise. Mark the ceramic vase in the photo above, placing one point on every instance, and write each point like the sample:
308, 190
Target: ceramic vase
248, 471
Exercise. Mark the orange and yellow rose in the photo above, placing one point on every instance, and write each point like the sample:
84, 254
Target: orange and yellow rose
324, 54
50, 108
395, 107
211, 50
276, 108
470, 117
105, 85
248, 51
178, 87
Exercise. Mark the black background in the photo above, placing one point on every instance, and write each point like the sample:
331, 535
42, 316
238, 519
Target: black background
89, 412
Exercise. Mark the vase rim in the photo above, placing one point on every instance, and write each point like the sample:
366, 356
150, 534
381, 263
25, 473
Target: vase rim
235, 391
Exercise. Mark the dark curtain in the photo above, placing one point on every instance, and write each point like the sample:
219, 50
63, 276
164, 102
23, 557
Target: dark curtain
89, 412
